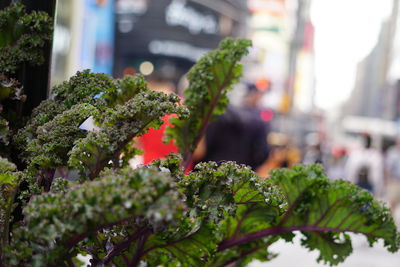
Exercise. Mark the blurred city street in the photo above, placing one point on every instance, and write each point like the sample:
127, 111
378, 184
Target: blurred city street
363, 256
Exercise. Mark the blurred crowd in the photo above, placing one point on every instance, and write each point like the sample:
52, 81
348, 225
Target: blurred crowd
249, 141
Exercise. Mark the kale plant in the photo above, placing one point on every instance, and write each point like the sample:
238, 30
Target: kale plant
160, 215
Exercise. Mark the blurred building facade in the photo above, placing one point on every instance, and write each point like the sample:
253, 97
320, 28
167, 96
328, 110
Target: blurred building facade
163, 38
83, 38
374, 103
283, 37
117, 36
283, 54
393, 87
371, 96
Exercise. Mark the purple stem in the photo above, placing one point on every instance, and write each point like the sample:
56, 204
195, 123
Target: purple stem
189, 155
277, 230
139, 250
125, 244
78, 238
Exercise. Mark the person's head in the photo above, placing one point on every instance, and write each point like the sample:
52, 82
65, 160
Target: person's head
253, 96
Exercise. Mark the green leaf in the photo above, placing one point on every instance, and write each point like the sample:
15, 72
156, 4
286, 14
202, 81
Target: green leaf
8, 187
323, 211
6, 166
192, 249
56, 222
22, 37
4, 130
248, 204
118, 126
6, 178
55, 138
209, 81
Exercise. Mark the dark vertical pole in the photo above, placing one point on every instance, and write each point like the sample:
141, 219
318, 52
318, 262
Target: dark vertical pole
36, 79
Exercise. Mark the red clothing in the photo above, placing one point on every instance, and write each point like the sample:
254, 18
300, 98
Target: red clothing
152, 144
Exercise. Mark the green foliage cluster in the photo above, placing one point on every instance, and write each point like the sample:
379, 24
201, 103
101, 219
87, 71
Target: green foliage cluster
131, 200
22, 35
8, 187
160, 215
117, 128
12, 90
52, 138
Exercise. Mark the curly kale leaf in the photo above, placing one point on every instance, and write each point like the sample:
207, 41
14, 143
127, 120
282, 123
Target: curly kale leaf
223, 202
6, 171
235, 201
44, 113
324, 212
191, 245
55, 138
118, 126
124, 89
59, 224
210, 79
8, 187
10, 89
4, 131
22, 37
96, 89
84, 87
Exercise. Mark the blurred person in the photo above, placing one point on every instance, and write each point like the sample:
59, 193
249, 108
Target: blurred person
237, 135
336, 166
364, 167
392, 168
313, 154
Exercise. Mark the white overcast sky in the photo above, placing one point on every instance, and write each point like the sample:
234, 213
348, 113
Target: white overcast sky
346, 31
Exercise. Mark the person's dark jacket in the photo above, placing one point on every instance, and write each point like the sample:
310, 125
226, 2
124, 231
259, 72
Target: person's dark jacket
238, 135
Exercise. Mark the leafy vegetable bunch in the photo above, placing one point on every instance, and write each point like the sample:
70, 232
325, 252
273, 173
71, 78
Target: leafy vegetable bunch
155, 215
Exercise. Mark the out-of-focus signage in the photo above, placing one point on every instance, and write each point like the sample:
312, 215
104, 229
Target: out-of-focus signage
97, 36
177, 30
176, 49
276, 7
179, 13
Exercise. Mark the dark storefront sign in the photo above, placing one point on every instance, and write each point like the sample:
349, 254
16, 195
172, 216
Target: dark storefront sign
172, 33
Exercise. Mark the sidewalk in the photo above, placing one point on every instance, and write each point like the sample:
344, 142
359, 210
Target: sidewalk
293, 255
